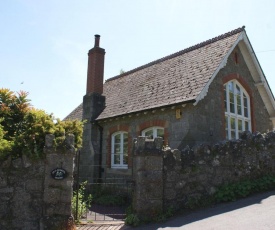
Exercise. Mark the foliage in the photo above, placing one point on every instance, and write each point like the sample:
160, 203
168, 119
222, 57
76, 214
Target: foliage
5, 145
111, 200
122, 71
23, 128
109, 195
84, 201
132, 219
163, 216
199, 202
233, 191
157, 216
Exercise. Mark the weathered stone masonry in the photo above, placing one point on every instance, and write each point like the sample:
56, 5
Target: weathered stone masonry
148, 177
194, 173
30, 198
203, 123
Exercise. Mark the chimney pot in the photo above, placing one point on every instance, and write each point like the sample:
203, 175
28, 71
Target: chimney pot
97, 38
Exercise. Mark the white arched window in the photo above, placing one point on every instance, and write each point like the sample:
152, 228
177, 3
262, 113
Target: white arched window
119, 155
153, 132
237, 110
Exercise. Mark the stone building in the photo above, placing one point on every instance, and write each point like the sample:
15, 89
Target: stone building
206, 93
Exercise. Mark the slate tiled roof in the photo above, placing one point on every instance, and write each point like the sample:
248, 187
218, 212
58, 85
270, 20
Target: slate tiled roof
177, 78
76, 114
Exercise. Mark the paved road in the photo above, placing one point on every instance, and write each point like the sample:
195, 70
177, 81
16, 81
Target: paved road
253, 213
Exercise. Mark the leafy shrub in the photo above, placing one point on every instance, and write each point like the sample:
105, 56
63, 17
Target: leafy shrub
111, 200
5, 145
109, 195
84, 201
233, 191
23, 128
132, 219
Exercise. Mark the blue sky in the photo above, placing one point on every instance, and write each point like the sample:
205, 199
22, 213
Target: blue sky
44, 44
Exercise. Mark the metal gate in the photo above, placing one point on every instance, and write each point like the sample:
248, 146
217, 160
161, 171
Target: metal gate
111, 196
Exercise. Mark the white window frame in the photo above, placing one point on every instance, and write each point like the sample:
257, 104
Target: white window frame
234, 115
121, 165
155, 130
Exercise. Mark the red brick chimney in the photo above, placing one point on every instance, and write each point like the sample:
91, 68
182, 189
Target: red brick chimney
95, 68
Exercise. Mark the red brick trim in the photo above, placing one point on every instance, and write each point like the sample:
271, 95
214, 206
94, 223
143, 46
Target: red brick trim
243, 82
110, 132
240, 79
152, 123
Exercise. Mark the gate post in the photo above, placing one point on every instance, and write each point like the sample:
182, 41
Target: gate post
148, 177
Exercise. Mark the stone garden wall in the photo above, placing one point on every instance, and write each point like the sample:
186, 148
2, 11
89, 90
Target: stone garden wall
30, 197
148, 177
173, 178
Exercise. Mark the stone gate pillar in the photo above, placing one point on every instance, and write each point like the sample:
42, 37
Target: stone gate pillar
148, 177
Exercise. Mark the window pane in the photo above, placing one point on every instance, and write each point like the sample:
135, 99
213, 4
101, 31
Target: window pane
117, 148
149, 134
226, 127
244, 100
117, 159
232, 108
232, 123
245, 112
239, 110
117, 138
238, 90
125, 159
226, 122
225, 99
231, 86
160, 133
240, 125
233, 135
238, 100
239, 105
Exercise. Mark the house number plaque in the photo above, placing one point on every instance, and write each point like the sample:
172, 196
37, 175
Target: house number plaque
58, 174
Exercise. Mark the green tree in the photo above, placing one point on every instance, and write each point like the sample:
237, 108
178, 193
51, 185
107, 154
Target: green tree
23, 128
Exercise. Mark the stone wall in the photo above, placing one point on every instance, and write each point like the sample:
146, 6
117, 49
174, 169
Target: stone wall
30, 198
148, 177
194, 173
